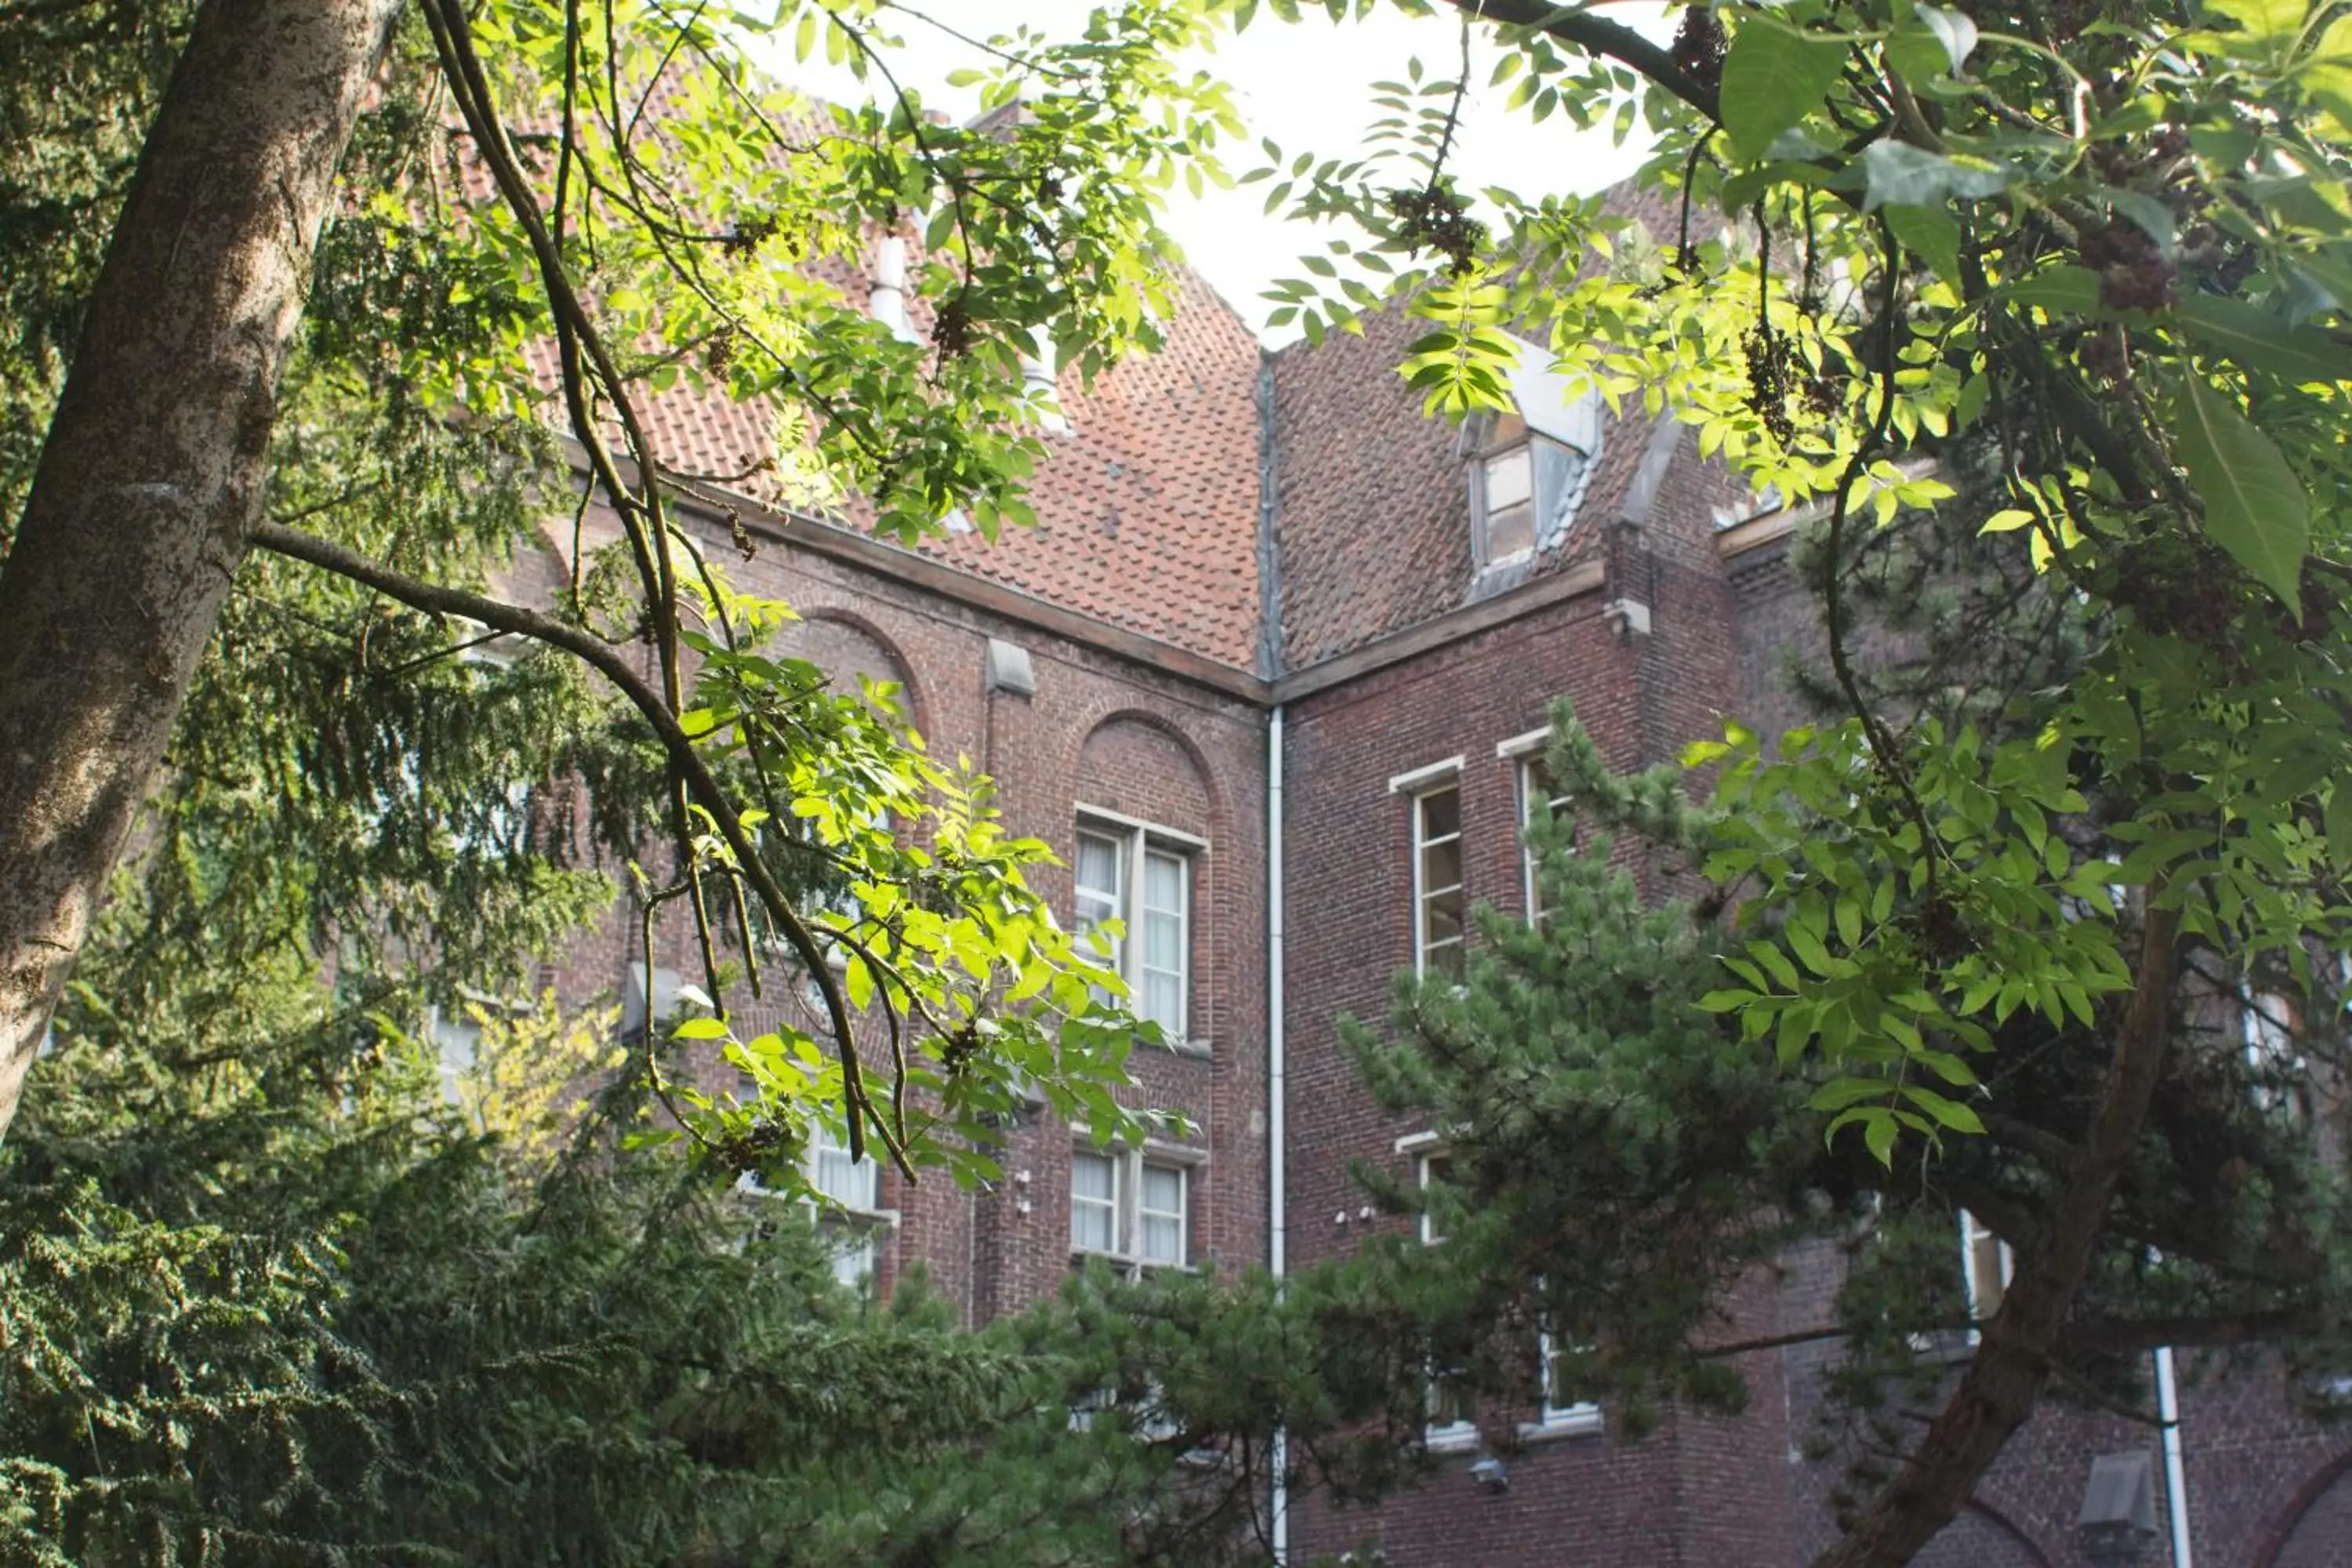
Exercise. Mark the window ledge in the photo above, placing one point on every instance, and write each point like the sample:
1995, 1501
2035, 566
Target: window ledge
1135, 1268
1198, 1048
1583, 1421
1462, 1437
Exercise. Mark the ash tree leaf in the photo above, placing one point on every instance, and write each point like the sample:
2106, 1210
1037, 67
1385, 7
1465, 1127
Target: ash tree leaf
2154, 218
1932, 234
1956, 30
2063, 287
2261, 341
1899, 175
1772, 78
2254, 505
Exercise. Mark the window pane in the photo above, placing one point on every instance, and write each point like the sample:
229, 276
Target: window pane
854, 1183
1159, 1211
1166, 941
1093, 1203
1163, 1001
1163, 880
1101, 861
1163, 1189
853, 1261
1510, 531
1441, 867
1509, 480
1101, 885
1440, 814
1445, 911
1163, 1240
1163, 941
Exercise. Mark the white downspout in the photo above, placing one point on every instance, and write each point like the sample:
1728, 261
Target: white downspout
2176, 1468
1277, 1089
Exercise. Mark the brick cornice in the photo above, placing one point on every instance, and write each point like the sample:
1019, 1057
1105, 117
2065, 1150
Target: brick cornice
833, 540
1585, 577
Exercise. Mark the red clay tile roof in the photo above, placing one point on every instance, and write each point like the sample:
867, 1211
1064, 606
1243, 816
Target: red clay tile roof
1147, 507
1147, 510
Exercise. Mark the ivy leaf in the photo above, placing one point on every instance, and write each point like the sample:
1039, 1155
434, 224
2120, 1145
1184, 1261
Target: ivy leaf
2255, 506
1897, 174
1772, 78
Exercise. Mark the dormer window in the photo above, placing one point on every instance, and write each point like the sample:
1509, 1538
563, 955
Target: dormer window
1523, 493
1528, 468
1509, 497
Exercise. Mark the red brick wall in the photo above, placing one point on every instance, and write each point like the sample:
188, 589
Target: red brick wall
1112, 732
1698, 1488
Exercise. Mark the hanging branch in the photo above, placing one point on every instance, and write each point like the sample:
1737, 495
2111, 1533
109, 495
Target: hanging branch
607, 661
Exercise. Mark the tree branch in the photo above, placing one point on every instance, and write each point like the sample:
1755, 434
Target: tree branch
1599, 36
2015, 1353
608, 661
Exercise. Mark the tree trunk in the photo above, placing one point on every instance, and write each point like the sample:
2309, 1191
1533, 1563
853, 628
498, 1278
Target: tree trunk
2016, 1350
155, 461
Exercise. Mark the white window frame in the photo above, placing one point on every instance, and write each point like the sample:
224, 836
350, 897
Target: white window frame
1428, 1152
1531, 768
1558, 473
1419, 799
1128, 1165
1971, 1233
1427, 1161
1138, 843
852, 1231
1556, 1420
1523, 449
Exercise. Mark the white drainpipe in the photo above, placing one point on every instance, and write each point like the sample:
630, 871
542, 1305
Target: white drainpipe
1276, 1115
2176, 1468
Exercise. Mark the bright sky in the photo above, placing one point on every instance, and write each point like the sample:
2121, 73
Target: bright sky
1307, 87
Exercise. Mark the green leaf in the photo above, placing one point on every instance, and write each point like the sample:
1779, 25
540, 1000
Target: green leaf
699, 1029
2262, 18
2261, 341
1956, 30
2067, 288
1950, 1112
1896, 173
1773, 76
2255, 506
1933, 235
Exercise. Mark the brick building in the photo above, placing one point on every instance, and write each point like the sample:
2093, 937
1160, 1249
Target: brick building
1271, 675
